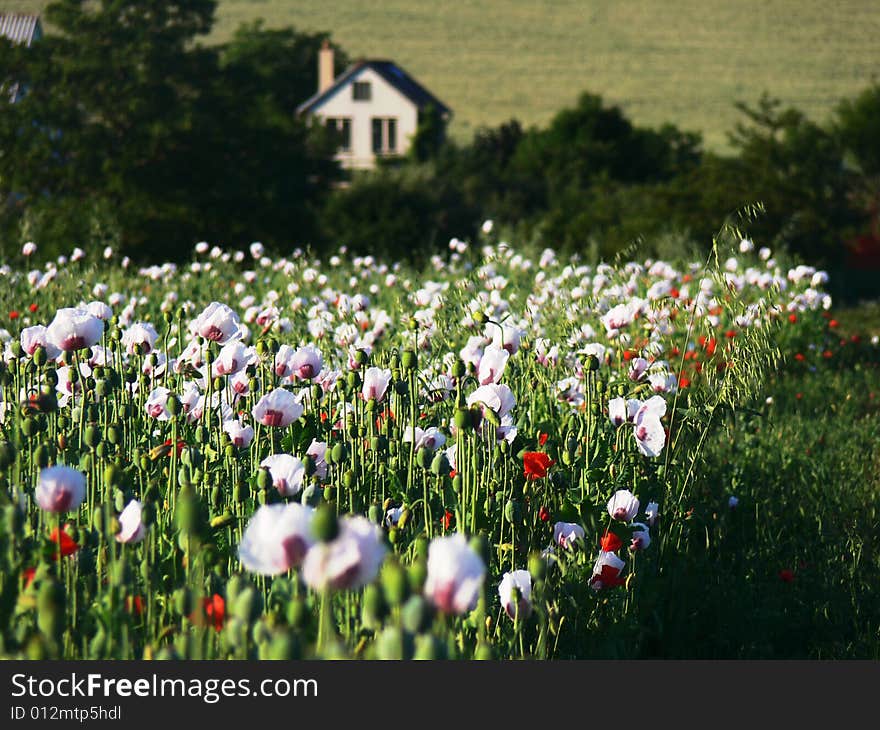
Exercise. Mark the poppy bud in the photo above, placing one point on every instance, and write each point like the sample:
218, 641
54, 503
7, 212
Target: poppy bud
29, 426
264, 478
409, 360
42, 456
353, 380
324, 524
512, 512
462, 418
440, 465
40, 356
173, 405
339, 453
416, 615
417, 573
592, 363
248, 605
375, 514
459, 369
405, 517
394, 582
424, 457
361, 357
329, 493
202, 435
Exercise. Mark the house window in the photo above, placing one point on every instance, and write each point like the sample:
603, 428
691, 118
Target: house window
361, 91
384, 135
342, 127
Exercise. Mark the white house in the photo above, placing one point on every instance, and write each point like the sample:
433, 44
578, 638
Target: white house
374, 105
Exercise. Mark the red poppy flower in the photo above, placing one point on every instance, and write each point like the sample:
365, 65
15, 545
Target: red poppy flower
452, 473
28, 575
799, 357
611, 542
13, 314
134, 604
786, 575
542, 438
827, 354
683, 382
447, 519
833, 323
674, 293
180, 444
536, 463
792, 318
544, 514
730, 334
215, 610
68, 544
608, 578
32, 308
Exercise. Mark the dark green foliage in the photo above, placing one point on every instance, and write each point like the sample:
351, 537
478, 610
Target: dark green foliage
131, 133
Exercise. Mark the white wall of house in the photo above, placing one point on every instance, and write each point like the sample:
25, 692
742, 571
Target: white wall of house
385, 102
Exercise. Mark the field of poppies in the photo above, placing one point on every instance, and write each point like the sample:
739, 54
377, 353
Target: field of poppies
506, 455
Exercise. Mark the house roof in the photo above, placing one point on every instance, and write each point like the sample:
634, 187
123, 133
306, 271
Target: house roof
20, 28
392, 73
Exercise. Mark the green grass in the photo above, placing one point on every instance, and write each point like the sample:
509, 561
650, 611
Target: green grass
681, 61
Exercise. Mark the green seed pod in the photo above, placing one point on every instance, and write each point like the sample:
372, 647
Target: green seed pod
223, 520
400, 386
173, 405
424, 457
324, 524
41, 455
353, 380
462, 418
329, 493
409, 360
339, 452
264, 478
248, 605
348, 479
457, 483
375, 513
202, 435
312, 495
85, 462
393, 643
405, 517
119, 500
459, 369
216, 497
30, 427
113, 475
592, 363
492, 417
417, 574
40, 357
394, 582
417, 615
393, 535
374, 607
98, 519
309, 464
240, 492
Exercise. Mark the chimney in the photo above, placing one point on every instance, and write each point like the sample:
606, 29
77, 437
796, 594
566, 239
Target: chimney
325, 67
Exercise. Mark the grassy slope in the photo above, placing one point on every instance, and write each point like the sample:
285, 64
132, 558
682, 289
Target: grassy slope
684, 61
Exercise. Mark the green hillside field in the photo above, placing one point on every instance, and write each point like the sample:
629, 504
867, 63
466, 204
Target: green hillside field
680, 61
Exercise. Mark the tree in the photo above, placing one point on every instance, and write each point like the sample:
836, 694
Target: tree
130, 125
